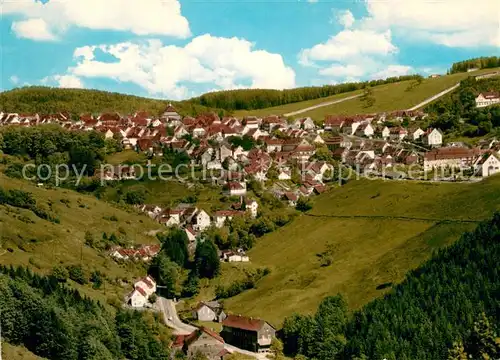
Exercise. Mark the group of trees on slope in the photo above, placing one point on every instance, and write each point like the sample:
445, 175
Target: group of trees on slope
56, 322
457, 111
447, 308
478, 63
251, 99
46, 100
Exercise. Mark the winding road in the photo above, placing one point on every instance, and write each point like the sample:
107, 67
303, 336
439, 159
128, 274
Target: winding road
167, 307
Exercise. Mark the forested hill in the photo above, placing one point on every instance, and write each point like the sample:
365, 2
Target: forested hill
448, 308
252, 99
477, 63
46, 100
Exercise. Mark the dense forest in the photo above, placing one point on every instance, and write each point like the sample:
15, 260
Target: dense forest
477, 63
46, 100
446, 308
55, 322
251, 99
457, 111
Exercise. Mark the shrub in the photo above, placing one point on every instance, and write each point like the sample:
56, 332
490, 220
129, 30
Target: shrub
77, 274
60, 273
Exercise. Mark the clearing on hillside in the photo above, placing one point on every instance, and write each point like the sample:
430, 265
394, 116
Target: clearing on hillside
357, 228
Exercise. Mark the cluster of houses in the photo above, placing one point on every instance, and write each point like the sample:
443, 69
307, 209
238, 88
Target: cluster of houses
140, 296
278, 145
246, 333
137, 253
194, 221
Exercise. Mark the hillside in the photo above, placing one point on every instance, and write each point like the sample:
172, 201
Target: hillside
372, 231
388, 97
28, 240
11, 352
47, 100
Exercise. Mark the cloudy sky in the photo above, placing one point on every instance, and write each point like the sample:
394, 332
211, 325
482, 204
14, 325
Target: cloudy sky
176, 49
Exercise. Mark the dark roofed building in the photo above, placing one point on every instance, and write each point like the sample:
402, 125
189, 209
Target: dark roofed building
248, 333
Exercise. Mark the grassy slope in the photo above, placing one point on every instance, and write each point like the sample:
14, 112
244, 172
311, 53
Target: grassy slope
368, 251
11, 352
43, 244
388, 97
283, 109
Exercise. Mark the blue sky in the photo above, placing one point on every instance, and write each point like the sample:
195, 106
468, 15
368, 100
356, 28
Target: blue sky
177, 49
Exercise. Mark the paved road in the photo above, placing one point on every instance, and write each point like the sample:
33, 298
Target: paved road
172, 320
434, 97
293, 113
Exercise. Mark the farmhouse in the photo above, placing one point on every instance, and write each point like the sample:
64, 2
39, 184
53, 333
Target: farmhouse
453, 157
209, 311
487, 98
204, 341
433, 138
487, 165
248, 333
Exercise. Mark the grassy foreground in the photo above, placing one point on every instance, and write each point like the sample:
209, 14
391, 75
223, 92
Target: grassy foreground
371, 246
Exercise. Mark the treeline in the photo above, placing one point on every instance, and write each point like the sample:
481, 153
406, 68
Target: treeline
448, 305
251, 99
46, 100
485, 62
56, 322
457, 112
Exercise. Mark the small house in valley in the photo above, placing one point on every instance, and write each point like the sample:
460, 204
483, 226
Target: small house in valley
209, 311
248, 333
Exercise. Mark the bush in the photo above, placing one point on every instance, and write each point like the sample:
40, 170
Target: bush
77, 274
135, 197
60, 273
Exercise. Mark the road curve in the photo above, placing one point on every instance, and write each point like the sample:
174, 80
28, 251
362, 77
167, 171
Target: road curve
293, 113
172, 320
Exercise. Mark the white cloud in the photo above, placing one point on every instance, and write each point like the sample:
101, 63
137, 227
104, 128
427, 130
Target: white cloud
228, 63
349, 43
141, 17
346, 18
392, 71
337, 70
454, 23
14, 79
312, 1
63, 81
34, 29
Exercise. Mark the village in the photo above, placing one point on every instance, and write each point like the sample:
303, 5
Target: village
296, 157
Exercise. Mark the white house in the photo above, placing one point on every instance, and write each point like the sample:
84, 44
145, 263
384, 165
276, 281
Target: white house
487, 98
201, 221
487, 165
209, 311
386, 132
143, 289
190, 233
220, 217
235, 188
365, 130
433, 138
285, 174
137, 298
147, 284
252, 206
417, 134
231, 256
